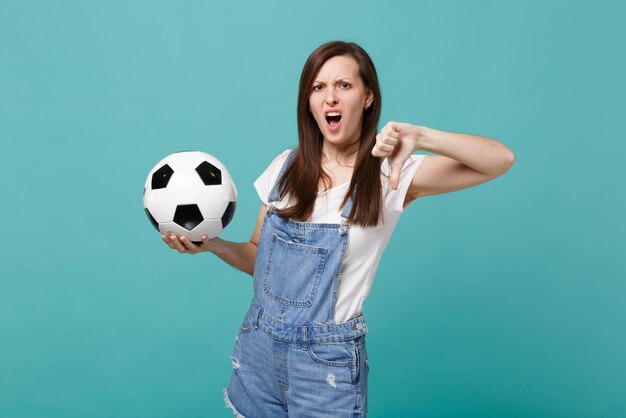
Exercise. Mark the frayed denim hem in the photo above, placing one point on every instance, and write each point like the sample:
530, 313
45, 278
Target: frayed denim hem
230, 405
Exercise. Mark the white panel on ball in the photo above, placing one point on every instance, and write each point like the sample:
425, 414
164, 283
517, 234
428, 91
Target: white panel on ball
185, 186
209, 227
161, 203
213, 201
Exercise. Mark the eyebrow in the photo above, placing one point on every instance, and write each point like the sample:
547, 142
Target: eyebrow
338, 80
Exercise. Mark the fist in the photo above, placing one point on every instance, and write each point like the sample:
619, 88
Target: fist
396, 141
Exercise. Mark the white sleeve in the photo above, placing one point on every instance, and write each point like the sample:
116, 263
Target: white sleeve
265, 182
394, 199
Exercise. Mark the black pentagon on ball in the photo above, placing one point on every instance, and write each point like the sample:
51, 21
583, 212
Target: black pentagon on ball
161, 177
188, 216
152, 220
228, 214
209, 174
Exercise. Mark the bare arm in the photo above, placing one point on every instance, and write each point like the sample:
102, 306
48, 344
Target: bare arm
240, 255
465, 160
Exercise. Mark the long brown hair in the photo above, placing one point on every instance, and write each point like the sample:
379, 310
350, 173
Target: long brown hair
301, 178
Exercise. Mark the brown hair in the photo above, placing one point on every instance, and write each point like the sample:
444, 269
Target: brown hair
301, 178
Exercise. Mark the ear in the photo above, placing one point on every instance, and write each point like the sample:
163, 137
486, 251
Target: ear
369, 99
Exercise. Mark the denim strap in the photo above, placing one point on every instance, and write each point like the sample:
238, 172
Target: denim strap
274, 194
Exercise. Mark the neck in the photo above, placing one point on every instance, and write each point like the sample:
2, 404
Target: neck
342, 155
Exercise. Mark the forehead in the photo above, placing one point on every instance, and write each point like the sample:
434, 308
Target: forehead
342, 66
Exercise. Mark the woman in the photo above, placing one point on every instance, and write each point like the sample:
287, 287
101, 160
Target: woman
329, 208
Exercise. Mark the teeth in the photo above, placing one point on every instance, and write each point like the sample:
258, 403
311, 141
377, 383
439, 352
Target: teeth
333, 114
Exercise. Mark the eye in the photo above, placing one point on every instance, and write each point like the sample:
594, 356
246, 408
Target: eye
344, 85
317, 87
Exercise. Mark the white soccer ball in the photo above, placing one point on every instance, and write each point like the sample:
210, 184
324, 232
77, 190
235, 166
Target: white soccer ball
190, 193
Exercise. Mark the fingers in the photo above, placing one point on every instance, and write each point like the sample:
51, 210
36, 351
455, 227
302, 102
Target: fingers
190, 247
174, 243
390, 144
386, 142
184, 245
167, 241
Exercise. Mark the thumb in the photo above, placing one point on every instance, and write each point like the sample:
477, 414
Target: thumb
205, 241
396, 167
397, 162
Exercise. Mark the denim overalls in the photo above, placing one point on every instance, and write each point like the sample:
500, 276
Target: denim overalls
289, 358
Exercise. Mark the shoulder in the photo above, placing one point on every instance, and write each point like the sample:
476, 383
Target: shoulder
274, 167
283, 155
266, 180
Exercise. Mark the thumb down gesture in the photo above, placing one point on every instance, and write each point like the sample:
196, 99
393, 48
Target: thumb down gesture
396, 141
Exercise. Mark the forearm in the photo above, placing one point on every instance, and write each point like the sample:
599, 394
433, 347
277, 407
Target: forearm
482, 154
240, 255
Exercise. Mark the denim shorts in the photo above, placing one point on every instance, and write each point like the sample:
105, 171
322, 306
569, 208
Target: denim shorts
273, 378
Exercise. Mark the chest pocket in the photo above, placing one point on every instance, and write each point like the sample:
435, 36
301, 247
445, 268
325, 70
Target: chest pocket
293, 272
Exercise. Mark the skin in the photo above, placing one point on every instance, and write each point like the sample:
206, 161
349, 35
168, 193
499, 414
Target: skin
463, 160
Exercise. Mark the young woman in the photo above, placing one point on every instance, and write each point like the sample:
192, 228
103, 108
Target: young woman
329, 209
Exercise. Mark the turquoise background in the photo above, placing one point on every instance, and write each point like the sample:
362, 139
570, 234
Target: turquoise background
506, 299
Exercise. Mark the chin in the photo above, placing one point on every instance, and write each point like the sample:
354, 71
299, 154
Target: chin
339, 139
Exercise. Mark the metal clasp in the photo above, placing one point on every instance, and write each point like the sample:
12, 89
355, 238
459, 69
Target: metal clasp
344, 226
270, 209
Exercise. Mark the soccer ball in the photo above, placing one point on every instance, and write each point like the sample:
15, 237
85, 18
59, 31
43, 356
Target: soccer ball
190, 193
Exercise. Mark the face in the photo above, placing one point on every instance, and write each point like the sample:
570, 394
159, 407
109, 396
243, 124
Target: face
338, 100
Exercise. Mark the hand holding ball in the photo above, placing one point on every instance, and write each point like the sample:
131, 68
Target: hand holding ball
190, 193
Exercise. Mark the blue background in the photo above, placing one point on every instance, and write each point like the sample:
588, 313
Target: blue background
506, 299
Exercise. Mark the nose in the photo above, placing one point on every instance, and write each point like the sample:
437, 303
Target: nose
331, 98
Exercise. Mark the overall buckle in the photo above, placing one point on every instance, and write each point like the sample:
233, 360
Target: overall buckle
345, 225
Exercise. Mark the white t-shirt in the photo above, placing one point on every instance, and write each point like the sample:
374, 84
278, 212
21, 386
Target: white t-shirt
365, 245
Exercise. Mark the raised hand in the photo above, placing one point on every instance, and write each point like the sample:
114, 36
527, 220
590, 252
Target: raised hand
396, 141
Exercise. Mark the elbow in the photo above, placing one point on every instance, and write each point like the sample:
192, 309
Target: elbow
250, 269
507, 161
510, 160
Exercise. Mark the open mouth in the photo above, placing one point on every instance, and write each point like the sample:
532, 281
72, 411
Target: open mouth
333, 119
